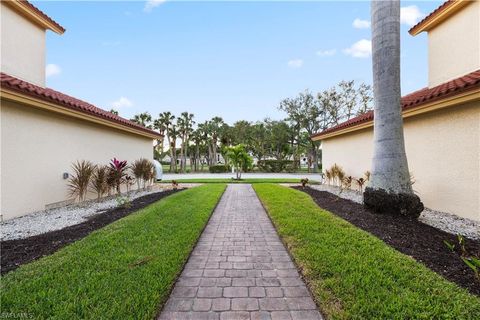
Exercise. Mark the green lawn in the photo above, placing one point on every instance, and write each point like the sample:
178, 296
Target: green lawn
249, 180
123, 271
354, 275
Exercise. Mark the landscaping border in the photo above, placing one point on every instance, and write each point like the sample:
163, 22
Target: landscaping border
414, 238
21, 251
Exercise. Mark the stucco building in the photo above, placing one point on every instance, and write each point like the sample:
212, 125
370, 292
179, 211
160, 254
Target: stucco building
441, 121
44, 131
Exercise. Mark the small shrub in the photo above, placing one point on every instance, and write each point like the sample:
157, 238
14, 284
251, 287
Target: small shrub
367, 175
347, 182
360, 182
304, 182
124, 202
329, 176
117, 173
219, 169
471, 260
144, 171
274, 165
80, 180
99, 182
129, 181
174, 184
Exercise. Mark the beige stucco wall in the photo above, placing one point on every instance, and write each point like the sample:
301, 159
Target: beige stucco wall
22, 47
38, 146
443, 150
454, 45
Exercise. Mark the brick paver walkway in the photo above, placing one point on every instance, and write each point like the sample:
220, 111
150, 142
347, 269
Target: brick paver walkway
240, 269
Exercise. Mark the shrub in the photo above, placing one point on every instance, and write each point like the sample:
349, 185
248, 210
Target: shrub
117, 173
143, 170
80, 179
274, 165
360, 182
304, 182
219, 169
98, 181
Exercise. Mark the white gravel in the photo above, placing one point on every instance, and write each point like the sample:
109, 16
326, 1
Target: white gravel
49, 220
441, 220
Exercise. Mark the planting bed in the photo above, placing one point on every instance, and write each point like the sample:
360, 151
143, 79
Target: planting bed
21, 251
409, 236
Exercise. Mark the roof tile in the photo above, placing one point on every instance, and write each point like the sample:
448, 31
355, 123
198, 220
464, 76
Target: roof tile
49, 95
418, 98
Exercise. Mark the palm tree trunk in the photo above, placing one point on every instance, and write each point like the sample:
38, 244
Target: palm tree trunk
390, 189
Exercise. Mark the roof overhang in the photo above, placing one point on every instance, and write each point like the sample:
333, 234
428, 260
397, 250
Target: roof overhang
34, 15
461, 98
441, 14
24, 99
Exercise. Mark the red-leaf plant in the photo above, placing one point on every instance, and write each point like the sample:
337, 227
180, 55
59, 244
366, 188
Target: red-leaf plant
118, 171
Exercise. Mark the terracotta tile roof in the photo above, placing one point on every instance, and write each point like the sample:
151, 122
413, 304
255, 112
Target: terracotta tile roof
52, 96
418, 98
40, 12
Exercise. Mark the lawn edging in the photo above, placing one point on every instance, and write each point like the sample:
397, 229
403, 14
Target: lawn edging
123, 271
351, 273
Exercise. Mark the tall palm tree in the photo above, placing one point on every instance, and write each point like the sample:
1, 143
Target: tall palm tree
144, 119
185, 127
163, 125
390, 189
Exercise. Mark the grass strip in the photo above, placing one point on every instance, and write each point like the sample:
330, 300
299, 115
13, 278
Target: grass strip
123, 271
354, 275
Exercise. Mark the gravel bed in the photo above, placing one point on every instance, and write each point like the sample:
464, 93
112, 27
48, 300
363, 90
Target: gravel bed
444, 221
55, 219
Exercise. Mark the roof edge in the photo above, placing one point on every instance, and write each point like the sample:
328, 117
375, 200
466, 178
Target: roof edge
449, 101
437, 16
23, 98
35, 15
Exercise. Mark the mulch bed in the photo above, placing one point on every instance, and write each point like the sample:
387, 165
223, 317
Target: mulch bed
16, 252
409, 236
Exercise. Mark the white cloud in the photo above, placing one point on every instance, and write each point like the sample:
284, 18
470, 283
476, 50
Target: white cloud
52, 70
360, 49
326, 53
361, 24
122, 103
296, 63
410, 15
150, 4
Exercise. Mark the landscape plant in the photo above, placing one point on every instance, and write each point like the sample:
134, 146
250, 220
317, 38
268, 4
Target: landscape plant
99, 182
240, 159
355, 275
79, 181
117, 173
470, 259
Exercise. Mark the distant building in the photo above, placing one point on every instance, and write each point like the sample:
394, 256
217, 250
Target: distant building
44, 131
441, 121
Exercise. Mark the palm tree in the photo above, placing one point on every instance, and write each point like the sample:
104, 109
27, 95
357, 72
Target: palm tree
144, 119
390, 189
185, 126
163, 125
173, 135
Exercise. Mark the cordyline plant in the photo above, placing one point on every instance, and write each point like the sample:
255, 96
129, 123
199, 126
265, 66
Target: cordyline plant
117, 173
143, 170
470, 259
80, 179
99, 182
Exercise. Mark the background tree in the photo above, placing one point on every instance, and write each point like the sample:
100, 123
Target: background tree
115, 112
144, 119
239, 159
390, 189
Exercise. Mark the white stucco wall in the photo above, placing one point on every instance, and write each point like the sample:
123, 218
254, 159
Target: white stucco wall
443, 150
39, 146
454, 46
22, 47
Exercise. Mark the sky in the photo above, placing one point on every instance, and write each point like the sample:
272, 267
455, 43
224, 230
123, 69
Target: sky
236, 60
